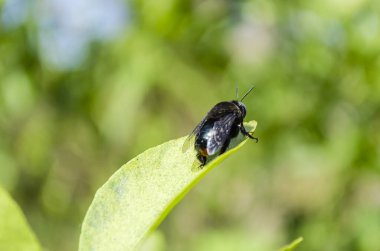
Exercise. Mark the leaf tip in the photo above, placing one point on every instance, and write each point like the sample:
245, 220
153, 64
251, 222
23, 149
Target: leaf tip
292, 245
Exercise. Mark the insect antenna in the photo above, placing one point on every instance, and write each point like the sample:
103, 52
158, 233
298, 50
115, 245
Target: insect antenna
247, 93
237, 91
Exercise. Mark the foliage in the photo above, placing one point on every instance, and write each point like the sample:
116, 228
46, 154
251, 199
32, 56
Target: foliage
142, 192
15, 234
314, 172
292, 245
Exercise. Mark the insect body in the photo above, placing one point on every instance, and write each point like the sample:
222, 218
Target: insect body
222, 123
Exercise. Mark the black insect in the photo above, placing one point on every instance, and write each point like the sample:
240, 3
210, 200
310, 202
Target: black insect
222, 123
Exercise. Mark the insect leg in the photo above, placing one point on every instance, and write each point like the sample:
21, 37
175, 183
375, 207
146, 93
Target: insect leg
225, 146
202, 159
245, 133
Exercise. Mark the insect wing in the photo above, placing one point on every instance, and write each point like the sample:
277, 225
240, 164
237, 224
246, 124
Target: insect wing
221, 131
221, 109
189, 141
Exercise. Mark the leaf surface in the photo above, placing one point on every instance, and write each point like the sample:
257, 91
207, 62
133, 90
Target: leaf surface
138, 196
15, 233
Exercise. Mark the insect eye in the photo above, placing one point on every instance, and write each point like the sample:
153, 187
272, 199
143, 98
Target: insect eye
243, 110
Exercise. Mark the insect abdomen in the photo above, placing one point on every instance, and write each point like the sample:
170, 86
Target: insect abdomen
203, 137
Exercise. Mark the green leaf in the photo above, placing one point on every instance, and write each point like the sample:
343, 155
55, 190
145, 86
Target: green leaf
137, 197
292, 245
15, 233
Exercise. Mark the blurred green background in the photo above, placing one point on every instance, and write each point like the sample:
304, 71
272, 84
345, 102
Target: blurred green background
87, 85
